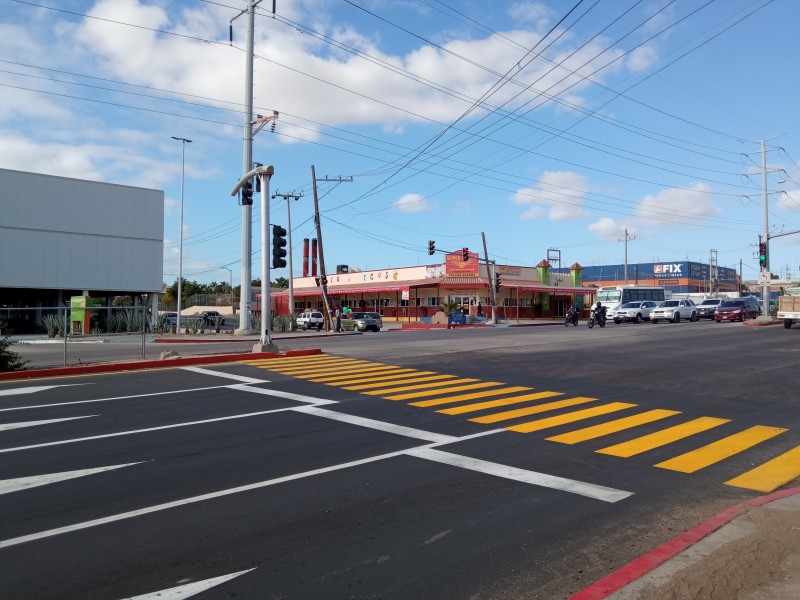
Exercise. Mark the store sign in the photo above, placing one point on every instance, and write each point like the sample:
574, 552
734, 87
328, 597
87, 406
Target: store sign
434, 272
456, 266
668, 270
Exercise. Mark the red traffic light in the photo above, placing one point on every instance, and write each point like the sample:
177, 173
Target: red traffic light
465, 254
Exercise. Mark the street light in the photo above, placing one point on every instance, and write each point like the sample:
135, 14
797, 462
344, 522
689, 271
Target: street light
183, 141
230, 272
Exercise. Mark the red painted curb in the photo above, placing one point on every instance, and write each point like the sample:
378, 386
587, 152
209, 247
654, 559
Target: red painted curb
647, 562
152, 364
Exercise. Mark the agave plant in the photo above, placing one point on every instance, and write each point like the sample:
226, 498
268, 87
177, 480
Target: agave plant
54, 325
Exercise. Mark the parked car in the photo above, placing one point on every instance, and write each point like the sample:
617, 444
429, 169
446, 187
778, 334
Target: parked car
674, 310
705, 310
209, 316
635, 312
738, 309
170, 319
365, 321
310, 320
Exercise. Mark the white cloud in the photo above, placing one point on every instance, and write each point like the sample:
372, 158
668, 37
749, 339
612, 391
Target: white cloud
642, 57
412, 203
608, 229
533, 13
560, 193
677, 206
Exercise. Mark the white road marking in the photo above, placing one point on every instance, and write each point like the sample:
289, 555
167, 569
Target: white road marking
285, 395
8, 426
23, 483
146, 430
598, 492
241, 378
202, 389
379, 425
188, 590
34, 388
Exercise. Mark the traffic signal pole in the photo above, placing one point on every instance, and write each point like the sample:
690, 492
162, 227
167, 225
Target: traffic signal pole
491, 276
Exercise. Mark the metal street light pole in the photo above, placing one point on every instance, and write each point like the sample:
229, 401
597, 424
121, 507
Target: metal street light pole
183, 142
230, 272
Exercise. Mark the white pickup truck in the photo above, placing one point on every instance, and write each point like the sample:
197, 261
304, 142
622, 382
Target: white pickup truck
789, 307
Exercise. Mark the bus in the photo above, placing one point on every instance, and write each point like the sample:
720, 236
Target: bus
614, 296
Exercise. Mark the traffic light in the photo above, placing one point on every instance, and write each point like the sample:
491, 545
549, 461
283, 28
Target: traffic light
316, 280
431, 247
324, 280
497, 282
257, 178
762, 254
465, 254
247, 194
278, 247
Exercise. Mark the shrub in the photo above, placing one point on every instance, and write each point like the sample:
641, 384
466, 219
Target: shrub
10, 360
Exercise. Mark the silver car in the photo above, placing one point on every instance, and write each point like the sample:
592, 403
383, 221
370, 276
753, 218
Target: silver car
367, 321
674, 311
635, 312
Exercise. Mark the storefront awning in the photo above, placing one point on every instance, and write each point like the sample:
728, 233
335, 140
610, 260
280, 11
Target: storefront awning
549, 289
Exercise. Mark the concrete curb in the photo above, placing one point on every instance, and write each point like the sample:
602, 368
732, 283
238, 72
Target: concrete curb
151, 364
639, 567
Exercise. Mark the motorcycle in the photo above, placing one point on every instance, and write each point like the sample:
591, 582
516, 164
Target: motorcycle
571, 318
597, 316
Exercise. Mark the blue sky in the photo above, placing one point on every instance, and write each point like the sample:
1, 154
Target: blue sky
540, 124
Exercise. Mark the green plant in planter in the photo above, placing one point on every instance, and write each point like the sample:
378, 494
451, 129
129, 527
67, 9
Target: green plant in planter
449, 308
217, 322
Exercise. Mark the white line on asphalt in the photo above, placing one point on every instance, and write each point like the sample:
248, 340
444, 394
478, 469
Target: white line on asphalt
598, 492
23, 483
241, 378
34, 388
146, 430
190, 589
9, 426
202, 389
379, 425
285, 395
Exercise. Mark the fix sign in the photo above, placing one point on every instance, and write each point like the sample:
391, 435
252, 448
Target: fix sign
668, 270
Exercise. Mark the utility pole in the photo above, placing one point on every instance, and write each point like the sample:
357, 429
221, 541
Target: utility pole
289, 198
491, 279
713, 273
626, 240
321, 256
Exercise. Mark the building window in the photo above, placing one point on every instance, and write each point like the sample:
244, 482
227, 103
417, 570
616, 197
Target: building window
526, 302
433, 301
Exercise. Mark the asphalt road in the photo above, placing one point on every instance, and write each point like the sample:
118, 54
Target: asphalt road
253, 481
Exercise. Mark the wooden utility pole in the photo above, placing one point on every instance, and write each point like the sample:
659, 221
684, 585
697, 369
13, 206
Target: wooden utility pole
321, 255
490, 275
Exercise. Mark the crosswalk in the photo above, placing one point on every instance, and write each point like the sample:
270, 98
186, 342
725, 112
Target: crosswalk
493, 402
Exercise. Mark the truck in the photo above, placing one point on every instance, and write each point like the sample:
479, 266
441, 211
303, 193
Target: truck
789, 307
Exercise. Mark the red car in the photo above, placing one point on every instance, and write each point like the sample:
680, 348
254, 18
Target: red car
736, 310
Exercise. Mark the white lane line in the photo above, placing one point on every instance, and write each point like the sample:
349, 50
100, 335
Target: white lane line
23, 483
146, 430
233, 376
193, 500
35, 388
285, 395
202, 389
573, 486
188, 590
419, 434
9, 426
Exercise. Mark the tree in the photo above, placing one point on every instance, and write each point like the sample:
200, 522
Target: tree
280, 282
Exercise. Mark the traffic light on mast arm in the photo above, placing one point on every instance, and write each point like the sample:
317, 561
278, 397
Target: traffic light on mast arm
431, 247
762, 254
465, 254
278, 247
247, 194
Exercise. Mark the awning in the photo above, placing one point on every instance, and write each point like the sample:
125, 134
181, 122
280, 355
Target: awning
550, 289
462, 282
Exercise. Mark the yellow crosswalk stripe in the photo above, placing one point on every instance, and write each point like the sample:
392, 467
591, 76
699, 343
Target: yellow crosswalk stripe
596, 431
459, 410
484, 394
532, 410
325, 369
772, 474
429, 385
361, 373
663, 437
381, 374
289, 360
439, 392
578, 415
721, 449
408, 378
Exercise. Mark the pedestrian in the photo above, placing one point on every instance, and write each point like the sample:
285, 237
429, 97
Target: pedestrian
338, 320
480, 309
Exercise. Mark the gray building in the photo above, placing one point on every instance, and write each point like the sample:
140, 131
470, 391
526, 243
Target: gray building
62, 237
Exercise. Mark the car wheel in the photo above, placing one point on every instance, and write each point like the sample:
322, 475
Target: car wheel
676, 318
787, 323
694, 318
639, 318
654, 321
616, 321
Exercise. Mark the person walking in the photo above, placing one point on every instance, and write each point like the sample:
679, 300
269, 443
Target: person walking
338, 315
480, 309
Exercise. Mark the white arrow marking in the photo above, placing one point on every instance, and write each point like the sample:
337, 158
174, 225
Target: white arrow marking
33, 389
23, 483
7, 426
190, 589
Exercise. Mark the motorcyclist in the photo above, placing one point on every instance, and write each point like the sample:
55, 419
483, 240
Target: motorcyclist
600, 311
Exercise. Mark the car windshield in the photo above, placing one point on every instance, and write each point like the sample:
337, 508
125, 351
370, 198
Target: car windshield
631, 305
360, 315
733, 303
710, 302
669, 303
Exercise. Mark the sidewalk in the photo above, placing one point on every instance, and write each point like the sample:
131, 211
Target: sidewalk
749, 552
